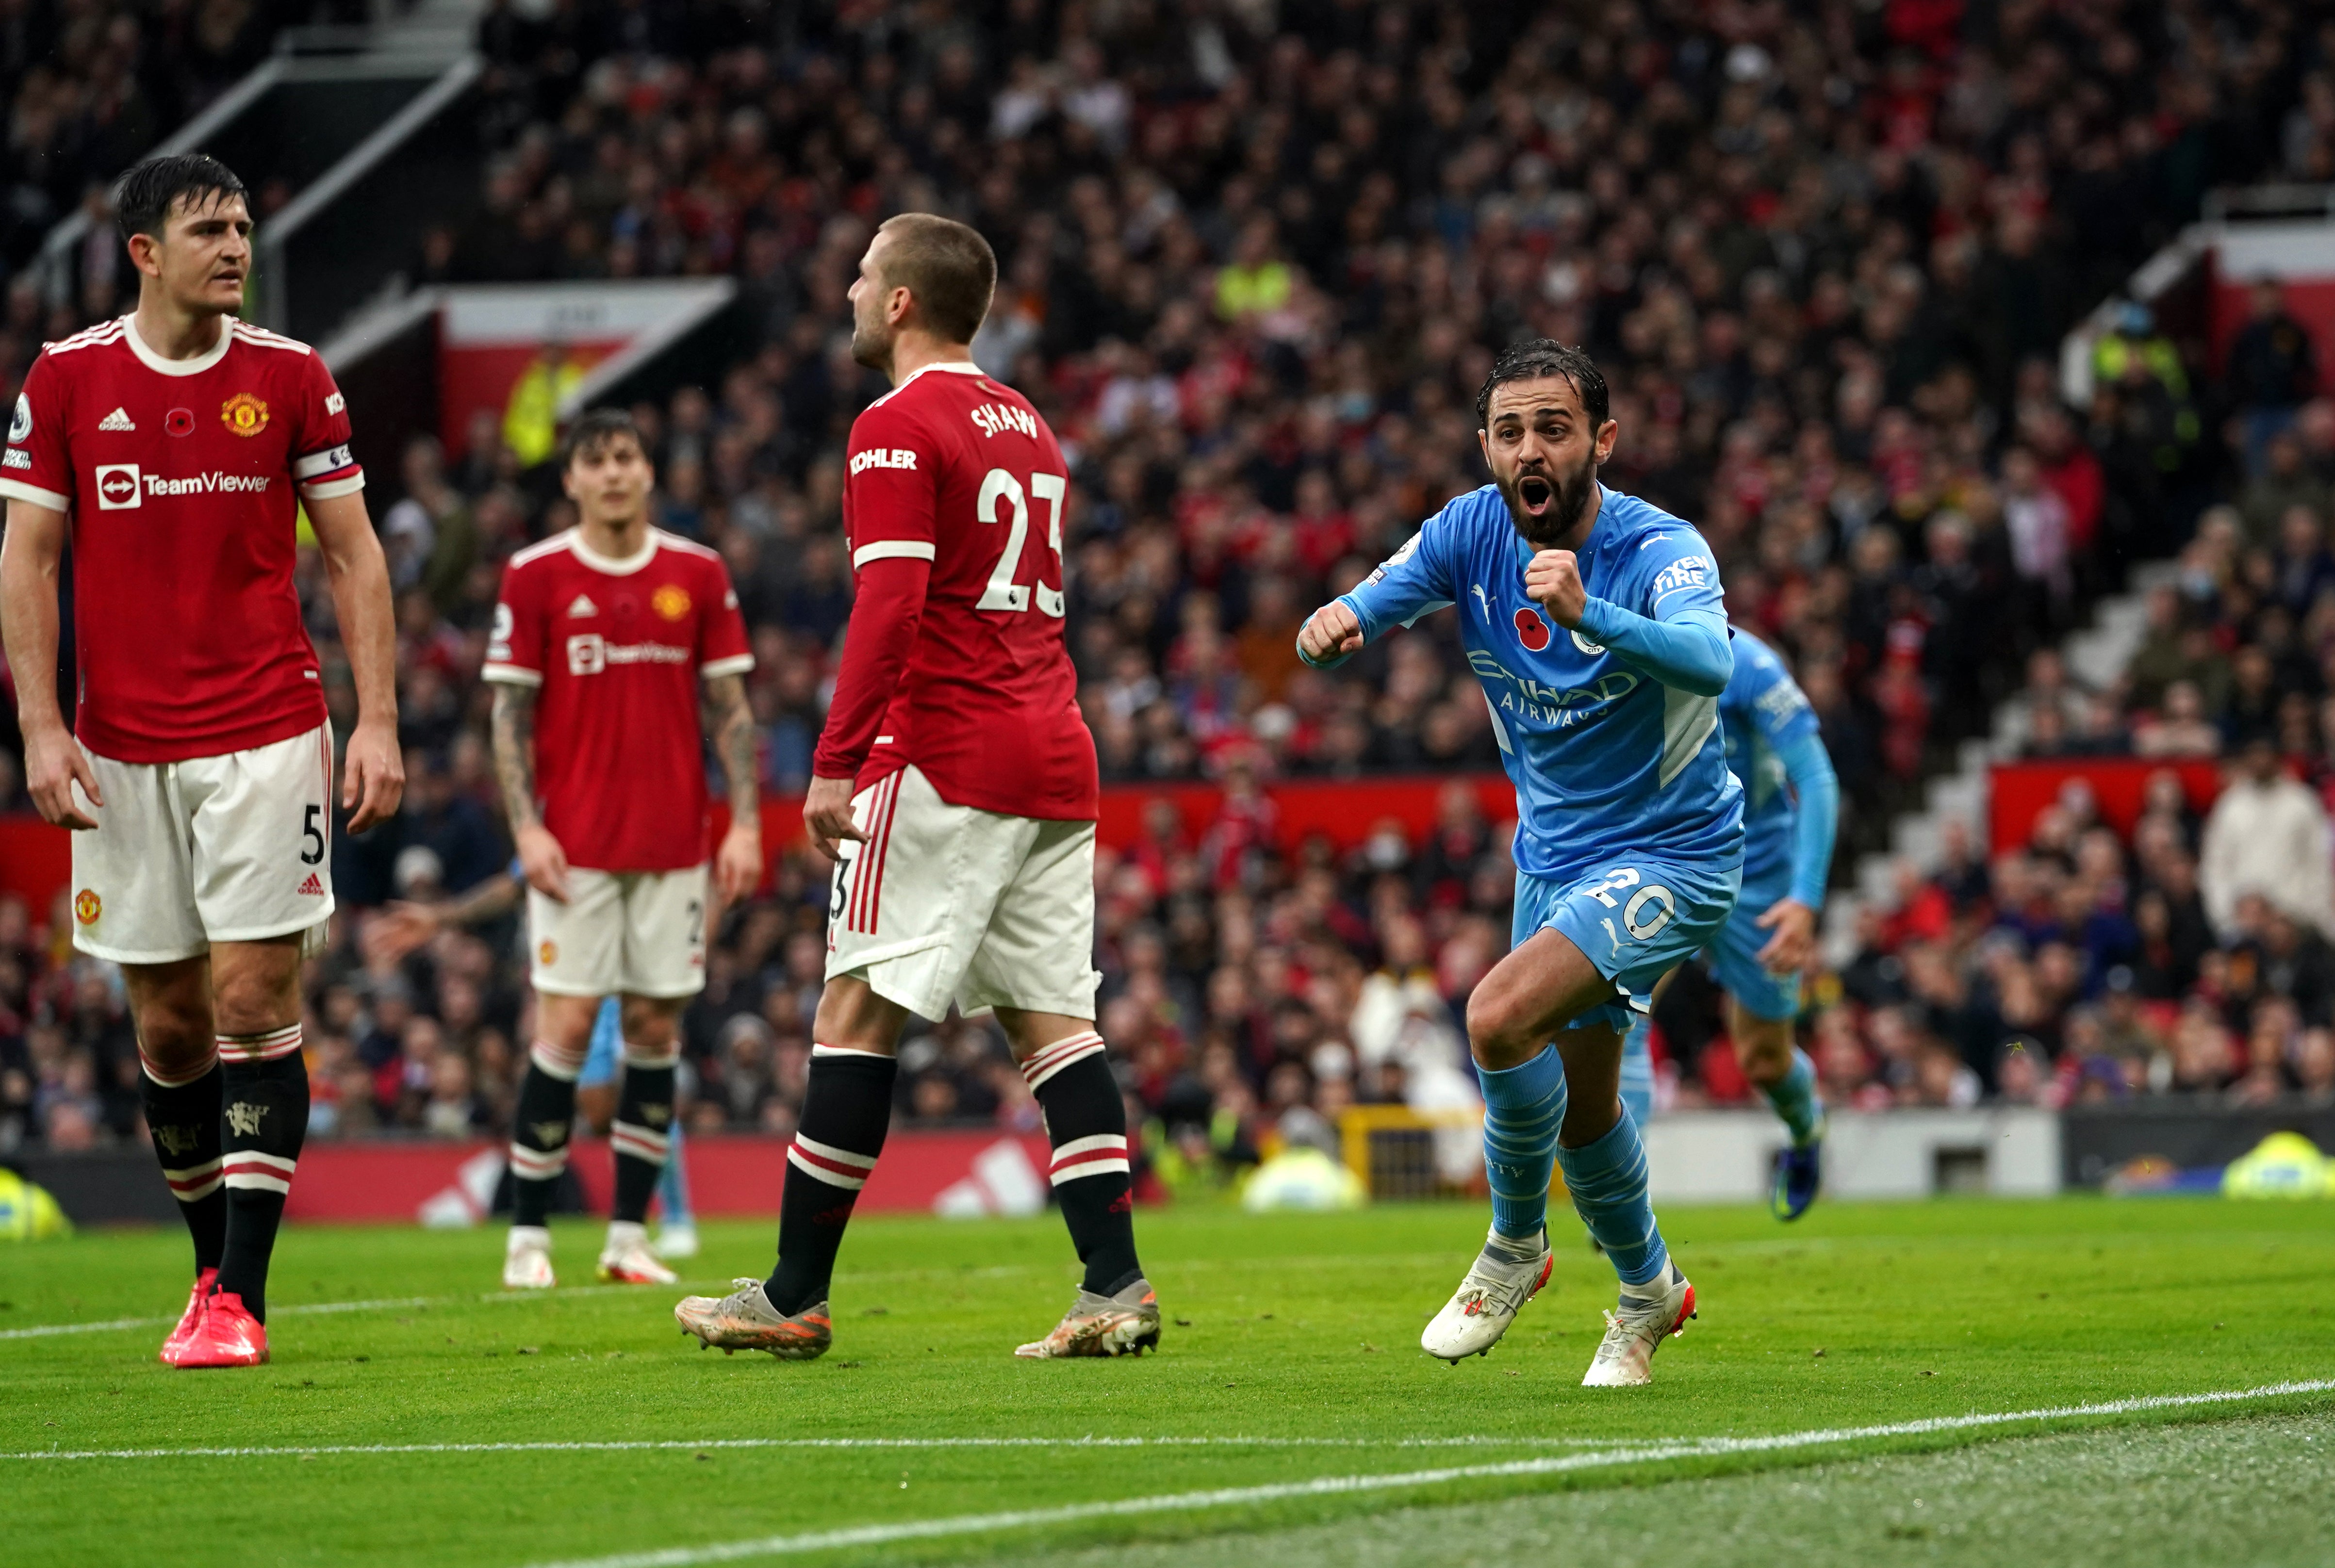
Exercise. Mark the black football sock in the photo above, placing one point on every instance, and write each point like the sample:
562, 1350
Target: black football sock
1085, 1121
182, 1117
847, 1110
643, 1130
540, 1129
264, 1113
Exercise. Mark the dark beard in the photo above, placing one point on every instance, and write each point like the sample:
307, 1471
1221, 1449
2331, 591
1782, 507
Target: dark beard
1563, 513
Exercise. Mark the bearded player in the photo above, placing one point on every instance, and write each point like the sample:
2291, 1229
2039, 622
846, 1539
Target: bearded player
1791, 808
602, 636
197, 775
956, 788
1594, 622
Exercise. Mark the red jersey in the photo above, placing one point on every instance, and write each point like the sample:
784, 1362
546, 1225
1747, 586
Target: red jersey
963, 674
618, 648
178, 475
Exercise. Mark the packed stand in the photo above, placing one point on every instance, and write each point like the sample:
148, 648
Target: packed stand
1254, 282
2188, 956
91, 86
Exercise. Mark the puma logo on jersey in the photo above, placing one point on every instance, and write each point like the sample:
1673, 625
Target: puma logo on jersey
582, 606
996, 418
118, 420
882, 458
1484, 599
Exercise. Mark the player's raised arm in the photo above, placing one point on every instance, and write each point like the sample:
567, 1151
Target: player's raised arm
1680, 640
373, 775
1414, 581
53, 761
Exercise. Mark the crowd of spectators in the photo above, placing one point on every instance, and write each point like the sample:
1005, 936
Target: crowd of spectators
2188, 954
1254, 265
90, 86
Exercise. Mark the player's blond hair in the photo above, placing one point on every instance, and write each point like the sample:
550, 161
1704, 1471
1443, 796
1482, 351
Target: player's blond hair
946, 266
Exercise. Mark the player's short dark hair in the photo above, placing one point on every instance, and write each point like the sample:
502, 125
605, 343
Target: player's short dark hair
1536, 358
946, 265
143, 197
594, 429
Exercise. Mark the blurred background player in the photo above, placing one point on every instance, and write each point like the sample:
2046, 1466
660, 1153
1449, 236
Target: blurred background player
956, 788
1791, 806
597, 1093
405, 926
1594, 622
198, 774
603, 633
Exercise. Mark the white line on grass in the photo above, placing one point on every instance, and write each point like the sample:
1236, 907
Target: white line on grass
41, 1330
645, 1444
996, 1271
1337, 1485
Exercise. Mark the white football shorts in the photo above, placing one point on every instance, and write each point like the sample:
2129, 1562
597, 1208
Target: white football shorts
229, 848
948, 903
628, 932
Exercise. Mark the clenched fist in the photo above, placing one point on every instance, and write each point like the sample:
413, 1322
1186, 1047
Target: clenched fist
1554, 579
1330, 634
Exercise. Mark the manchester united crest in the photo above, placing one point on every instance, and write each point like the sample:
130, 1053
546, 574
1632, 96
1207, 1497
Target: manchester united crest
244, 414
671, 601
88, 906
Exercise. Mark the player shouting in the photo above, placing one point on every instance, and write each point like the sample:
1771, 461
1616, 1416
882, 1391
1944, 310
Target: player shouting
197, 775
1594, 621
955, 787
1791, 805
601, 639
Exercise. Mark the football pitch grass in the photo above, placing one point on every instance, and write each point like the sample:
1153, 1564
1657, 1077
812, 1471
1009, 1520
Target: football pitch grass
1842, 1400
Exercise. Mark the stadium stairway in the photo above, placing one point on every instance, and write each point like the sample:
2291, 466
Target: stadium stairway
2098, 655
326, 99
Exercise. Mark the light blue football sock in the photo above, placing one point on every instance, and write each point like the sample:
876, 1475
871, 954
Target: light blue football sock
1608, 1181
1793, 1096
673, 1183
1637, 1070
1522, 1107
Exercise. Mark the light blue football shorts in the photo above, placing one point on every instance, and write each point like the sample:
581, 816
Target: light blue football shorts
1635, 918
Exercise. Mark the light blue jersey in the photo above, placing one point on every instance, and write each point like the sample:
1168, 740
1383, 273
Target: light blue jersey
1764, 718
1606, 760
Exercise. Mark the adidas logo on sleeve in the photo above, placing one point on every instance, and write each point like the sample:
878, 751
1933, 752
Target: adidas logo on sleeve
118, 420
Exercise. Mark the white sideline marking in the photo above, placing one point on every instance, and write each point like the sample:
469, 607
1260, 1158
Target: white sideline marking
1336, 1485
996, 1271
41, 1330
653, 1444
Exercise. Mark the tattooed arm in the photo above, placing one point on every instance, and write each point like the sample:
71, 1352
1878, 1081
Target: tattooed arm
730, 724
540, 857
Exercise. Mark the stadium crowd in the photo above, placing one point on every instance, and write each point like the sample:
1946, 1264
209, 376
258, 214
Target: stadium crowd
91, 86
1254, 269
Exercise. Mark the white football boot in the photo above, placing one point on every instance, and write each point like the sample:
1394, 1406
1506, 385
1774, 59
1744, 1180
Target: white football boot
676, 1241
1636, 1329
527, 1260
626, 1259
1488, 1300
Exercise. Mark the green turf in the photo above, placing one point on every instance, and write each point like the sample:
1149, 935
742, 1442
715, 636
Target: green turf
1295, 1328
2249, 1491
